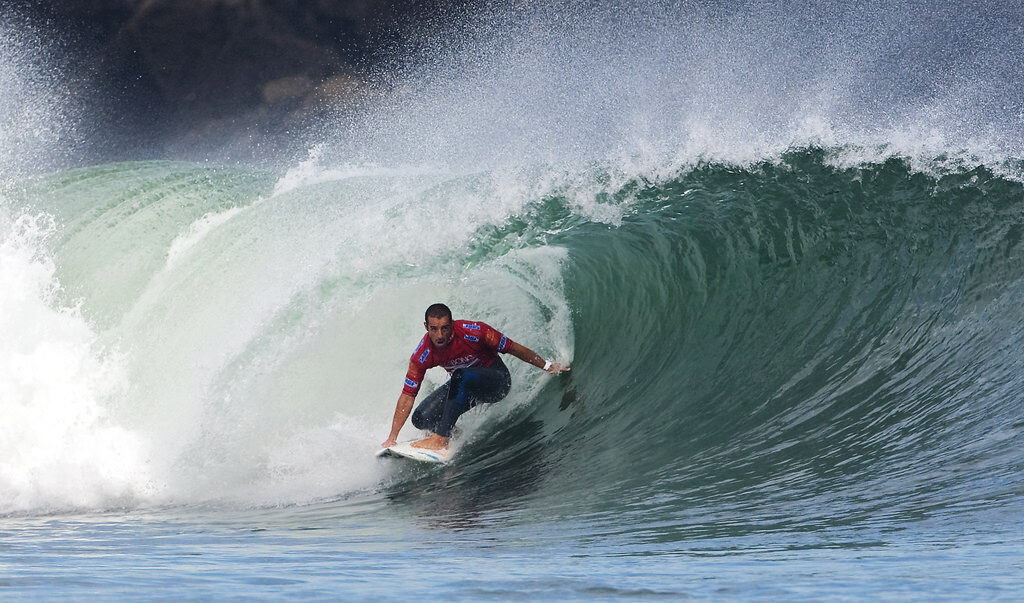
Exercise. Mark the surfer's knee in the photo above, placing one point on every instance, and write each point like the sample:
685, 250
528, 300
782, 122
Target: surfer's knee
419, 419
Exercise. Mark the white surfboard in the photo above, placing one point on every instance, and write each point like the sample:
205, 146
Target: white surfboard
405, 450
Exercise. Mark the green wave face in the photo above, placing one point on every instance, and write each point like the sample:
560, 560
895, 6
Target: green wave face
793, 333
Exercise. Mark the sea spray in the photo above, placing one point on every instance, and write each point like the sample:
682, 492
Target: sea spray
39, 122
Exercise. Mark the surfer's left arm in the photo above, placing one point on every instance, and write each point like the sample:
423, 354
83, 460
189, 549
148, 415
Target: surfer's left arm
530, 357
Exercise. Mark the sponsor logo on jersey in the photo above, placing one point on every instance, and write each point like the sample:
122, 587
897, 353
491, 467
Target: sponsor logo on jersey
461, 362
410, 383
502, 343
471, 327
423, 356
470, 338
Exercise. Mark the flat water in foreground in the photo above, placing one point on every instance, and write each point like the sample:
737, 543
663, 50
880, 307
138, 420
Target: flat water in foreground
371, 548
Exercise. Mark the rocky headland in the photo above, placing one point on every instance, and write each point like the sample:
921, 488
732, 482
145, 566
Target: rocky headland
230, 75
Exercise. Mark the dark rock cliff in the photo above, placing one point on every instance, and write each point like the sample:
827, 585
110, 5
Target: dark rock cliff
188, 72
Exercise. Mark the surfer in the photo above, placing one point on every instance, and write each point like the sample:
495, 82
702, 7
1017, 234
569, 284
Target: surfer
469, 352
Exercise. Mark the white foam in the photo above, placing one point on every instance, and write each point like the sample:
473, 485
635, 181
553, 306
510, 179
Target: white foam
60, 445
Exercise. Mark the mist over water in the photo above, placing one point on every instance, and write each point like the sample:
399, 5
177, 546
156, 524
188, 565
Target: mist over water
39, 119
780, 245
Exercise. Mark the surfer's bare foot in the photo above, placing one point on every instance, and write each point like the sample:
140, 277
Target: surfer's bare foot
434, 442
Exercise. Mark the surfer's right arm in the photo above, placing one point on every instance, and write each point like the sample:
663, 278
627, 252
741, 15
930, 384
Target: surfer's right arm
402, 410
411, 387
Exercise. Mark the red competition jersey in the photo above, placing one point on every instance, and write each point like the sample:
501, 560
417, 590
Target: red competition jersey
473, 344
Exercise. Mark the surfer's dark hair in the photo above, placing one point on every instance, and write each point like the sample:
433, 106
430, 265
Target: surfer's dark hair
437, 311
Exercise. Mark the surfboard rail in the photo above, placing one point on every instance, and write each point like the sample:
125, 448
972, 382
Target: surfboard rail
406, 450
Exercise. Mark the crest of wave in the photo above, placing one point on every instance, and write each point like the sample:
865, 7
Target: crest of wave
651, 85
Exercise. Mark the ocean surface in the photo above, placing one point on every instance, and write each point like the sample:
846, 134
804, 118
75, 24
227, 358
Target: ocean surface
788, 283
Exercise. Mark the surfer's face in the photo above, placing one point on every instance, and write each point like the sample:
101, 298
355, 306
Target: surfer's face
440, 330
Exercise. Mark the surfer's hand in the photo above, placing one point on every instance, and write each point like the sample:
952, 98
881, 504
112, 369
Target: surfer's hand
388, 443
555, 369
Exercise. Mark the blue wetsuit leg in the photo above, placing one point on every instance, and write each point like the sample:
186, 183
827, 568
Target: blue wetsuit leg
467, 388
428, 414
